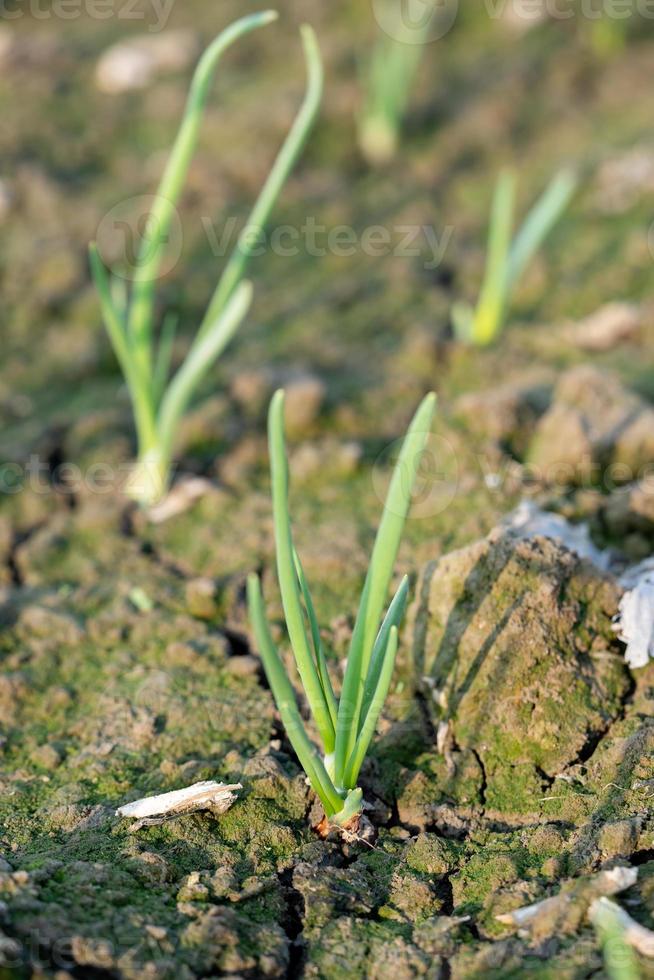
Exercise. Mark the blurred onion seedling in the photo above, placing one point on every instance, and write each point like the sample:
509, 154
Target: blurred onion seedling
507, 258
345, 725
388, 82
620, 960
159, 400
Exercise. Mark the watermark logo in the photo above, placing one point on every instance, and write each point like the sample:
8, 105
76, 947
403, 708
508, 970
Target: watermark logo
415, 21
132, 233
434, 474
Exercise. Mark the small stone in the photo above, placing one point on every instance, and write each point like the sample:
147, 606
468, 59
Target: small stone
193, 889
623, 180
13, 688
38, 622
630, 509
251, 390
60, 697
310, 459
552, 868
609, 326
201, 598
594, 428
237, 466
97, 953
430, 855
619, 839
153, 868
46, 756
303, 402
134, 64
244, 665
506, 414
10, 951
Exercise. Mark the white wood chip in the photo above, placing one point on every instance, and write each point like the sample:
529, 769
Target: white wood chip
608, 882
529, 913
209, 795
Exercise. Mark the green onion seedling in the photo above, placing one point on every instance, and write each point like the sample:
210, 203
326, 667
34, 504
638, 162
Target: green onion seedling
159, 401
388, 82
508, 258
620, 960
346, 725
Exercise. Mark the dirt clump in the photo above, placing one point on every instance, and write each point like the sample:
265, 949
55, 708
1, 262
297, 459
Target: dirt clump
513, 645
594, 422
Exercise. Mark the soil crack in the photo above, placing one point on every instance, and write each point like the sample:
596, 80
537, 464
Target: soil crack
293, 925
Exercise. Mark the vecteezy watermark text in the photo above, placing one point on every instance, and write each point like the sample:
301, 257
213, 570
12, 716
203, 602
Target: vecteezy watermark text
344, 241
439, 471
567, 9
152, 14
128, 234
426, 21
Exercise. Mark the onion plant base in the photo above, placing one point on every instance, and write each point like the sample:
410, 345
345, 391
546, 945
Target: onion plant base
149, 479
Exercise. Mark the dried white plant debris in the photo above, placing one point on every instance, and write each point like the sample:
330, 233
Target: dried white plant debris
182, 496
616, 880
605, 883
523, 917
529, 520
635, 621
152, 810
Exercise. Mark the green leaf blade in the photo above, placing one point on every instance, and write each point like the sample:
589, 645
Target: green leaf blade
287, 576
202, 355
277, 177
538, 224
321, 663
393, 617
376, 705
153, 246
137, 385
493, 295
164, 357
378, 580
287, 705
